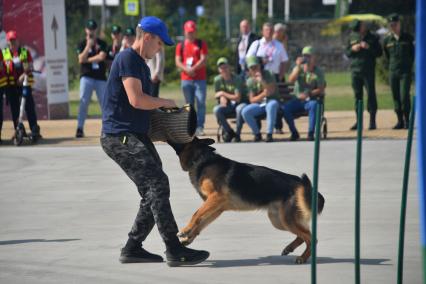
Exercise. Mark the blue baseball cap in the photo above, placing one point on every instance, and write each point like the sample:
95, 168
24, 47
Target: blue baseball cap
155, 26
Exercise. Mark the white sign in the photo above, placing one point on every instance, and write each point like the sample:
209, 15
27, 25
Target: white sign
107, 2
332, 2
55, 50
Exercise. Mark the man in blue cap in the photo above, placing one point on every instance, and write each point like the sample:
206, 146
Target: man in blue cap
125, 123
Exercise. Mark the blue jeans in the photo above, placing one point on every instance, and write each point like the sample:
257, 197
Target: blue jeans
221, 112
297, 106
252, 110
87, 86
196, 89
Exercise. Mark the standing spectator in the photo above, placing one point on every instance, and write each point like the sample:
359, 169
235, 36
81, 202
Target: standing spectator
363, 48
244, 41
3, 85
92, 53
156, 66
309, 87
399, 51
19, 63
230, 94
191, 56
271, 52
263, 98
280, 34
128, 38
115, 47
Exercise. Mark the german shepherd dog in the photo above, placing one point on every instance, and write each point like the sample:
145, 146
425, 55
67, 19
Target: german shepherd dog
225, 184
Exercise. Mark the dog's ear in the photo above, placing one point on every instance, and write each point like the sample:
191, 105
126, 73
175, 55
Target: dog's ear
207, 141
177, 147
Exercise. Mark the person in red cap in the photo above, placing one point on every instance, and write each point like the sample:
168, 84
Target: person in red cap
18, 65
3, 84
190, 58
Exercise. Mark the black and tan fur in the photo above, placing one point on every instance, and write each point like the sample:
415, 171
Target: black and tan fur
225, 184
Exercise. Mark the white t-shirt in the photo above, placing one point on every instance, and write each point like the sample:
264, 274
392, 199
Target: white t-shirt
273, 51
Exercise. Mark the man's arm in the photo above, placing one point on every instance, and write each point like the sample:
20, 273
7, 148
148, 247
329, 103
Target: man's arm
139, 100
97, 58
256, 98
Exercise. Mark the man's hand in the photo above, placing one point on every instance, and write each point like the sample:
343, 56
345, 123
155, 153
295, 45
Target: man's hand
364, 45
89, 42
169, 103
190, 71
299, 60
356, 47
155, 79
218, 95
223, 101
303, 96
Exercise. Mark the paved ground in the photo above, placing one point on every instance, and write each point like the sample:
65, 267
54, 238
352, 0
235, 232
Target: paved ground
61, 132
65, 212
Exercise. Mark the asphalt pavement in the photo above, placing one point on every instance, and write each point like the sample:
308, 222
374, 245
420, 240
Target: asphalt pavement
65, 213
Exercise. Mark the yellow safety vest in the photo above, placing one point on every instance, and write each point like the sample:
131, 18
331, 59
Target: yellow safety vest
8, 59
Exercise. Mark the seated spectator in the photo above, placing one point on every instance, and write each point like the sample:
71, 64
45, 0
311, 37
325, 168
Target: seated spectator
230, 94
263, 98
309, 87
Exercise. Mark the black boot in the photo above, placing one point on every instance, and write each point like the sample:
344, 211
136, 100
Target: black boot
257, 137
354, 127
372, 121
269, 138
400, 123
294, 136
311, 136
35, 134
228, 136
181, 255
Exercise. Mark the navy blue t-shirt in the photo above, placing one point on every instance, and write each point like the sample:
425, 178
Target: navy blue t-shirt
118, 115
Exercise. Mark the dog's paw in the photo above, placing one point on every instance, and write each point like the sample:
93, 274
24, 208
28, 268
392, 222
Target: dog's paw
184, 238
300, 260
286, 251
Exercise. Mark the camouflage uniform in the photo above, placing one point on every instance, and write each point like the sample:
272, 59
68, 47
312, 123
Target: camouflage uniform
138, 158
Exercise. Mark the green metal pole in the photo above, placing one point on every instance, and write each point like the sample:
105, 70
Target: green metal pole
404, 194
314, 200
358, 190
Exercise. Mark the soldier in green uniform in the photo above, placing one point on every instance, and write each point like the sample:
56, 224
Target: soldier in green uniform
363, 48
399, 51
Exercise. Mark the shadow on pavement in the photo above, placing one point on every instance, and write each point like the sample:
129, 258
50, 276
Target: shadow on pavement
286, 260
16, 242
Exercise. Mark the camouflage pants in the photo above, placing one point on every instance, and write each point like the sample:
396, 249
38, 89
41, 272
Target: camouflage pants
137, 156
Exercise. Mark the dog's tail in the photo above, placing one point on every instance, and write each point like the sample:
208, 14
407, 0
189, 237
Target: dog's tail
308, 194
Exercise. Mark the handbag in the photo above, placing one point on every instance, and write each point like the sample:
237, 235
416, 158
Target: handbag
175, 125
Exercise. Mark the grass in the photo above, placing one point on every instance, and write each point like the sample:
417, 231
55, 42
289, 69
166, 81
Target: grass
339, 95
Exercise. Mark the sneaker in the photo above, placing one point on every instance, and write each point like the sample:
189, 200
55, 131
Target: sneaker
79, 133
294, 136
269, 138
257, 137
185, 256
199, 131
137, 255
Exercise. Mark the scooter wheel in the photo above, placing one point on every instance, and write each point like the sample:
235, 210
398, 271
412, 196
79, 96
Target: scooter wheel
19, 137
